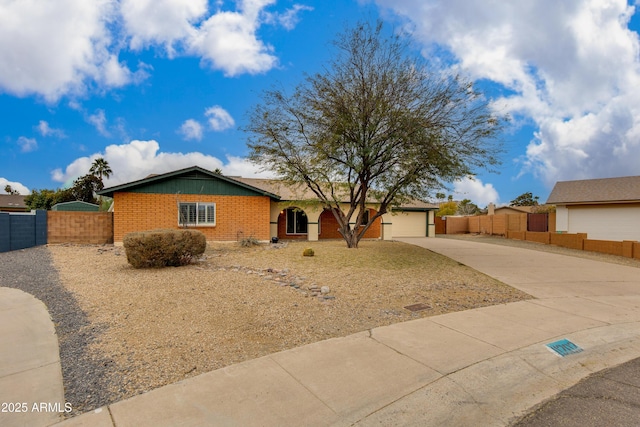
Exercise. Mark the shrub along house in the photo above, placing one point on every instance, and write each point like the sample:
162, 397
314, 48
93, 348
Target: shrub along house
232, 208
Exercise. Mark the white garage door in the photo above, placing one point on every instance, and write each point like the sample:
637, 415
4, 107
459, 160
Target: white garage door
409, 224
606, 222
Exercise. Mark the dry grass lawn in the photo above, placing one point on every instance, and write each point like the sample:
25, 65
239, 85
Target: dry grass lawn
163, 325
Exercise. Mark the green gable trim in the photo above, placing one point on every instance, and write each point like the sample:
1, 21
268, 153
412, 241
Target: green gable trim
188, 185
193, 180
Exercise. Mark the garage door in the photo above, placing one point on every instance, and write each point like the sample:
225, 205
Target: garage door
606, 222
409, 224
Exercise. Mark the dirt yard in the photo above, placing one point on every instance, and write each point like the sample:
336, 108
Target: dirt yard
158, 326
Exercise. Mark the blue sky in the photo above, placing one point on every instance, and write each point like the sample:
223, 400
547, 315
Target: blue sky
158, 85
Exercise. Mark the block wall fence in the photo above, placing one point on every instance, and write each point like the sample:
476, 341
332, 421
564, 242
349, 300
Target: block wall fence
514, 226
79, 227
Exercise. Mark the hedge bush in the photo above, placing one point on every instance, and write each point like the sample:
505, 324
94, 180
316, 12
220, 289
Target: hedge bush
163, 248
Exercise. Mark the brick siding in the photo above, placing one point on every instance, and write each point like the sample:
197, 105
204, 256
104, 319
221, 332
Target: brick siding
329, 226
237, 217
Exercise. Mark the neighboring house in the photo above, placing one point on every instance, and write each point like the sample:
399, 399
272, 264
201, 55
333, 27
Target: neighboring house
511, 210
605, 209
232, 208
76, 206
13, 203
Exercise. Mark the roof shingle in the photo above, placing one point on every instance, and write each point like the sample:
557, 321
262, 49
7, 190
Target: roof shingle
605, 190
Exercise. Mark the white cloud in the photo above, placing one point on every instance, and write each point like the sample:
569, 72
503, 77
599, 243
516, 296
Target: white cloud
474, 190
55, 48
191, 129
572, 67
27, 144
45, 130
99, 121
289, 18
138, 159
161, 22
23, 190
228, 41
219, 118
68, 47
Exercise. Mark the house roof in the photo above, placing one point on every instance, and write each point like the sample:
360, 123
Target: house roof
12, 201
161, 183
276, 189
75, 205
523, 209
300, 191
285, 190
605, 190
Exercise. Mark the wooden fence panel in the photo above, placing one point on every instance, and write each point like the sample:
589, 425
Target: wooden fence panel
457, 224
538, 222
499, 224
474, 224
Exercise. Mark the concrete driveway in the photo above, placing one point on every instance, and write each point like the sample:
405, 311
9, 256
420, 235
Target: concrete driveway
486, 366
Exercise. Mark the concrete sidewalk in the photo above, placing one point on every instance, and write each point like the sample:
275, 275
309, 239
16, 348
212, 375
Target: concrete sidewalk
31, 390
487, 366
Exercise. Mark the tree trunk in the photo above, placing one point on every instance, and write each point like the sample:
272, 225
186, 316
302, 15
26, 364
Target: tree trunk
350, 236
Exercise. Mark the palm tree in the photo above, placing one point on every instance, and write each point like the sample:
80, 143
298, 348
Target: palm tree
100, 168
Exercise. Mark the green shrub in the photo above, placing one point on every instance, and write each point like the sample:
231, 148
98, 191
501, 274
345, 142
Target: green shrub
308, 252
162, 248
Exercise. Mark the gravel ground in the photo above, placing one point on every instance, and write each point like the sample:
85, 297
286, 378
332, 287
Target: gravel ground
124, 331
85, 374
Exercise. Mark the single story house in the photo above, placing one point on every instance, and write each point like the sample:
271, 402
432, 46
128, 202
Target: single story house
13, 203
605, 209
231, 208
509, 210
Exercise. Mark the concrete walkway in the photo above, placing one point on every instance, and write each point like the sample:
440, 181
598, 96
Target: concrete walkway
31, 391
486, 367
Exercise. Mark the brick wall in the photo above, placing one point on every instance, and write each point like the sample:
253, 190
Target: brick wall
80, 227
604, 246
237, 217
329, 226
571, 241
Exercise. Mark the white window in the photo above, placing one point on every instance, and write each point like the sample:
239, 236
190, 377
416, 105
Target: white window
197, 214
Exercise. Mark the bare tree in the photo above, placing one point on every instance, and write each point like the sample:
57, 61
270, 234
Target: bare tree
376, 126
